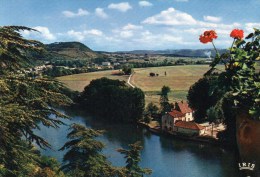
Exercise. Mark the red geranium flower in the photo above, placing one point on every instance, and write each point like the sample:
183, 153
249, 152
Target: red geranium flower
208, 36
237, 34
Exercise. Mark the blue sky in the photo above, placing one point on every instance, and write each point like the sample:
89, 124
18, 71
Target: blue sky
114, 25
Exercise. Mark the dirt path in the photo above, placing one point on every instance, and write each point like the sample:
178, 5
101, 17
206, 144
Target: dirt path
129, 79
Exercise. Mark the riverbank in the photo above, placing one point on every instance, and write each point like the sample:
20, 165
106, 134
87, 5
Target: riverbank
165, 155
155, 128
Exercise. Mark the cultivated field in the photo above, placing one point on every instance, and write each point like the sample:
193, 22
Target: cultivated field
79, 81
178, 78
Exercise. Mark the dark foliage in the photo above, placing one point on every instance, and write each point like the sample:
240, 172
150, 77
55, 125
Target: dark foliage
113, 100
132, 156
200, 99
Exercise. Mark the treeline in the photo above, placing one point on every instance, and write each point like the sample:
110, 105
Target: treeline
70, 63
61, 71
166, 63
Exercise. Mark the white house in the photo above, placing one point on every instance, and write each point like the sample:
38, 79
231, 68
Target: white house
188, 128
184, 108
106, 63
169, 119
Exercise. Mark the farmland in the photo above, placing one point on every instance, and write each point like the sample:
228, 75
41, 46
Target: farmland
178, 78
79, 81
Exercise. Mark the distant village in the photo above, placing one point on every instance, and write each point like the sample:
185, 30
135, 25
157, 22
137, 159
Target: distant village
110, 61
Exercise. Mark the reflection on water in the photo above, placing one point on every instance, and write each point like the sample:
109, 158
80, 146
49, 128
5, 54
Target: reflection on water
168, 157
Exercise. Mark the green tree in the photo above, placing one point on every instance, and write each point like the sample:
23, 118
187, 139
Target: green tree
200, 99
24, 103
84, 157
164, 100
151, 108
14, 48
150, 111
127, 69
132, 156
113, 100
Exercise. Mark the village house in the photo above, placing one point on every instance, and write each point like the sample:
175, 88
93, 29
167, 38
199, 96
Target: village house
188, 128
116, 64
180, 121
184, 108
106, 63
169, 119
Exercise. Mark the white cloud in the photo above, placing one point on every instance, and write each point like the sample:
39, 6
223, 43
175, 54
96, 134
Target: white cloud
171, 17
212, 19
43, 34
127, 31
94, 32
126, 34
170, 38
76, 34
217, 25
81, 12
101, 13
249, 27
130, 26
123, 6
184, 22
82, 35
150, 40
145, 3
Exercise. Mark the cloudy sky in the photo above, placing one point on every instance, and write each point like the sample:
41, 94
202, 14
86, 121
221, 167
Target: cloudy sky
114, 25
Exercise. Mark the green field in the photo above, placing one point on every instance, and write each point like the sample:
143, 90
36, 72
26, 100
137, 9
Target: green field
178, 78
79, 81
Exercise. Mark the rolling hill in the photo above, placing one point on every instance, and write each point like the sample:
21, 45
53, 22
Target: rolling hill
68, 51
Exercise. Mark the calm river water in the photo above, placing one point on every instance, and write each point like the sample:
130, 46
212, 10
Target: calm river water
167, 157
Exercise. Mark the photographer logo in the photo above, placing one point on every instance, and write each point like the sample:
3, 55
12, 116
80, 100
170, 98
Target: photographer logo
246, 166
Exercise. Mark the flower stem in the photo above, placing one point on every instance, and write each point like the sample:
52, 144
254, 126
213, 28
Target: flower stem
233, 43
215, 48
231, 49
217, 53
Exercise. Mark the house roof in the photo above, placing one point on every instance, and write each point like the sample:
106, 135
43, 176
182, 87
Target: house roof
188, 125
176, 114
184, 107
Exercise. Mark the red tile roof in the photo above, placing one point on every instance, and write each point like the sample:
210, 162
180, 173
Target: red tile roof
176, 114
188, 125
184, 107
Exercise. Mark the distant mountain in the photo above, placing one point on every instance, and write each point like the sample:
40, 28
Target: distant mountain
68, 51
178, 52
79, 51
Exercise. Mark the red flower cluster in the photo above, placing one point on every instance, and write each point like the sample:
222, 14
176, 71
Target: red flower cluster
237, 34
208, 36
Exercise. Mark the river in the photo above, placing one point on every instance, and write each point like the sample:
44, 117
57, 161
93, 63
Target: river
166, 156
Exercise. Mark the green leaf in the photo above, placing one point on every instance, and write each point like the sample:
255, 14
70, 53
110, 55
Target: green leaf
250, 36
